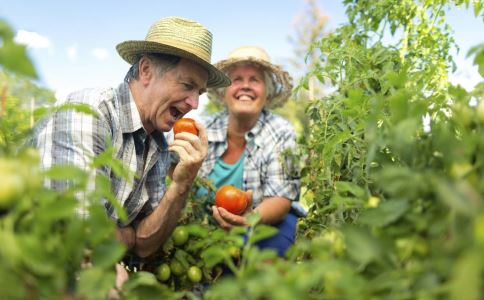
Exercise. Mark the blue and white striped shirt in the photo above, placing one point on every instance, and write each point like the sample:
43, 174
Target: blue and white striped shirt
70, 137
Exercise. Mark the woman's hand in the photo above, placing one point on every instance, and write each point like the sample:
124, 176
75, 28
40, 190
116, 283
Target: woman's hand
227, 220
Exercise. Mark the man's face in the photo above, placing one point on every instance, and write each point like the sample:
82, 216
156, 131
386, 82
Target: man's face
169, 97
247, 93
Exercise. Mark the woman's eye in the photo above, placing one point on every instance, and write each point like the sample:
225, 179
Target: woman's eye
187, 86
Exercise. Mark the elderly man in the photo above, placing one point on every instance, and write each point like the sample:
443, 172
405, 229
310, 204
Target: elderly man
170, 69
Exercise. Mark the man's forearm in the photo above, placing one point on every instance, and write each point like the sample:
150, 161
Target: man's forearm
157, 227
126, 235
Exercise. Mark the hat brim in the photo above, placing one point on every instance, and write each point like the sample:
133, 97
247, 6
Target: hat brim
281, 79
130, 50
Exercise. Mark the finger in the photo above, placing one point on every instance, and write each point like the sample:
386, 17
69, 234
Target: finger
231, 218
181, 151
216, 215
202, 134
194, 141
249, 195
186, 136
186, 145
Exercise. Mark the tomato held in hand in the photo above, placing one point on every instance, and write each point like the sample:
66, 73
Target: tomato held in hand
232, 199
185, 125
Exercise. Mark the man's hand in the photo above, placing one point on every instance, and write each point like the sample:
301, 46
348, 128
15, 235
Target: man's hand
157, 227
191, 150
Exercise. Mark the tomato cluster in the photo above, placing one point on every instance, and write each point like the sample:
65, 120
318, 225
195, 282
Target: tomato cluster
180, 268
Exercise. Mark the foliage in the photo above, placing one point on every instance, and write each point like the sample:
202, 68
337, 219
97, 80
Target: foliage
393, 171
12, 55
394, 163
47, 249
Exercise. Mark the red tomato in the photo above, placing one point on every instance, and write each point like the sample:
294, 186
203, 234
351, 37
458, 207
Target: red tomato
185, 125
232, 199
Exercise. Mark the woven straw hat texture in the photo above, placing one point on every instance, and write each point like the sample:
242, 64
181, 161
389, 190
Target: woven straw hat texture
181, 37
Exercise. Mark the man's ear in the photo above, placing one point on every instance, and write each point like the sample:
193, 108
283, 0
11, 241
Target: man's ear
145, 70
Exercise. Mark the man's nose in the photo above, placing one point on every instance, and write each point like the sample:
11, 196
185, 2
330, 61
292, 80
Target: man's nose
193, 101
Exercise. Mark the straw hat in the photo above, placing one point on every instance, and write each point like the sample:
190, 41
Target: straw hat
180, 37
281, 79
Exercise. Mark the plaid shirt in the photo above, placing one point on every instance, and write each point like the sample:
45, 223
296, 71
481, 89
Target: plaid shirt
71, 137
267, 171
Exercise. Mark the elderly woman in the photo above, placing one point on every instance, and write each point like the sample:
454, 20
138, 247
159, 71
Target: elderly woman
247, 144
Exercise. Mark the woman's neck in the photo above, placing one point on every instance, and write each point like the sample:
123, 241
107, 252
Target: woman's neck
241, 124
236, 139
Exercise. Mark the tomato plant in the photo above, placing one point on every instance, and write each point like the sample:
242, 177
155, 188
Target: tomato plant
232, 199
393, 174
185, 125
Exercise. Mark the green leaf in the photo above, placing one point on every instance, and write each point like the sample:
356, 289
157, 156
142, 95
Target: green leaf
34, 256
213, 255
253, 219
384, 214
466, 276
198, 230
261, 232
182, 257
361, 245
95, 283
78, 107
107, 254
107, 158
477, 7
57, 209
478, 51
349, 187
71, 172
14, 56
103, 191
459, 196
140, 279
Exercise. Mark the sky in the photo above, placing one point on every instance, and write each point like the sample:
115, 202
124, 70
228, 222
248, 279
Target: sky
72, 43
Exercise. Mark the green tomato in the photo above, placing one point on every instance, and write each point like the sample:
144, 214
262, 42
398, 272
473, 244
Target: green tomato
176, 267
460, 169
164, 272
180, 236
12, 187
234, 251
194, 274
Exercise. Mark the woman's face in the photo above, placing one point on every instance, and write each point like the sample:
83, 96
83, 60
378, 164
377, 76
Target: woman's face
246, 96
